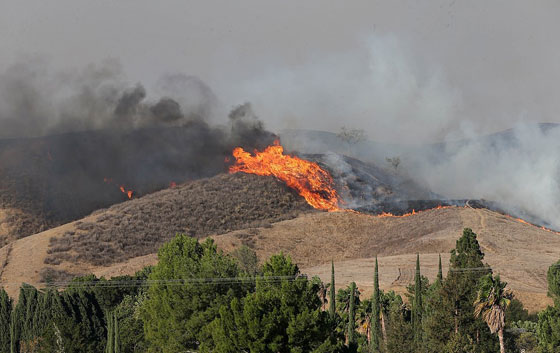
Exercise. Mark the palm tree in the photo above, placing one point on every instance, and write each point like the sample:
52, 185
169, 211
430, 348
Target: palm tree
322, 292
491, 303
363, 314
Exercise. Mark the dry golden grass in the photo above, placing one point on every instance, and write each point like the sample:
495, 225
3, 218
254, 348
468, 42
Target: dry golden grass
520, 253
209, 206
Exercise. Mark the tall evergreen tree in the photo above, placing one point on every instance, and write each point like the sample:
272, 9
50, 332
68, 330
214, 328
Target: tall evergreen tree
553, 278
110, 348
24, 326
417, 305
5, 320
116, 328
332, 296
375, 311
352, 317
548, 329
460, 291
440, 271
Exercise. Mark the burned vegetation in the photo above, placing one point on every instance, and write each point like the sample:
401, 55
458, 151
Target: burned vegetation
200, 208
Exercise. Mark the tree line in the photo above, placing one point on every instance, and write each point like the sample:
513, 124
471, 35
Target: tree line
199, 299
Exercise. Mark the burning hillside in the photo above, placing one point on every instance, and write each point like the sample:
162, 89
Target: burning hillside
51, 180
312, 182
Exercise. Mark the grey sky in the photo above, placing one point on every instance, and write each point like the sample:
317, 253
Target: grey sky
398, 69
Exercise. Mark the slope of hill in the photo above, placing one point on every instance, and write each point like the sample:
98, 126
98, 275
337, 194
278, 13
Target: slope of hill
520, 253
52, 180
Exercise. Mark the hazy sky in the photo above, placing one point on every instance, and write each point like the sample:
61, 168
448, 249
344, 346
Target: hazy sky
398, 69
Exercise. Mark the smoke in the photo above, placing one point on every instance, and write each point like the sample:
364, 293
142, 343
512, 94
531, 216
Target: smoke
378, 87
518, 168
34, 101
70, 140
405, 104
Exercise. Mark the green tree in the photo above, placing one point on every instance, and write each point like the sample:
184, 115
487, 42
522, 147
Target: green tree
110, 347
189, 284
548, 330
283, 314
25, 327
332, 291
76, 323
553, 278
460, 291
352, 317
375, 311
400, 337
491, 304
247, 259
460, 343
6, 304
440, 271
130, 327
417, 306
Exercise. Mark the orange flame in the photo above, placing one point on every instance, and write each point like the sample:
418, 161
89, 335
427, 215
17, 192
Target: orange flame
309, 179
128, 193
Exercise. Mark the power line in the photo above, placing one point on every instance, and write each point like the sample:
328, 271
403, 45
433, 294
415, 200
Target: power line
206, 280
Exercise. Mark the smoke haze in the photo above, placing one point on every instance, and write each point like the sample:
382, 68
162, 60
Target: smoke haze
426, 80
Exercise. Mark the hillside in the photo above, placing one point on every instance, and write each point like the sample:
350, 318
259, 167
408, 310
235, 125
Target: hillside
519, 252
51, 180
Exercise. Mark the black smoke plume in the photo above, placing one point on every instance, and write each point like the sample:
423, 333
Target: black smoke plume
68, 142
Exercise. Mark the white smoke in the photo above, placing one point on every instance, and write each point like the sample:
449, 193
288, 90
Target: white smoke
383, 89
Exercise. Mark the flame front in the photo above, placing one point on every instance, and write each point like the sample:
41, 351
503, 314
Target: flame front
311, 181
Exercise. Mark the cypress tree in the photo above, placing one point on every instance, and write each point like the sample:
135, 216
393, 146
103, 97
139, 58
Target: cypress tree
14, 348
417, 305
375, 308
332, 300
110, 334
6, 304
116, 334
440, 271
352, 316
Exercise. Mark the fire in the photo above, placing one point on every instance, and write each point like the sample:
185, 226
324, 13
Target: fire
531, 224
311, 181
122, 188
125, 191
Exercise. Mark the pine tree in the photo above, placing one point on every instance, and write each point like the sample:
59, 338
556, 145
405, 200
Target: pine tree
375, 308
417, 305
460, 292
352, 317
6, 304
332, 299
